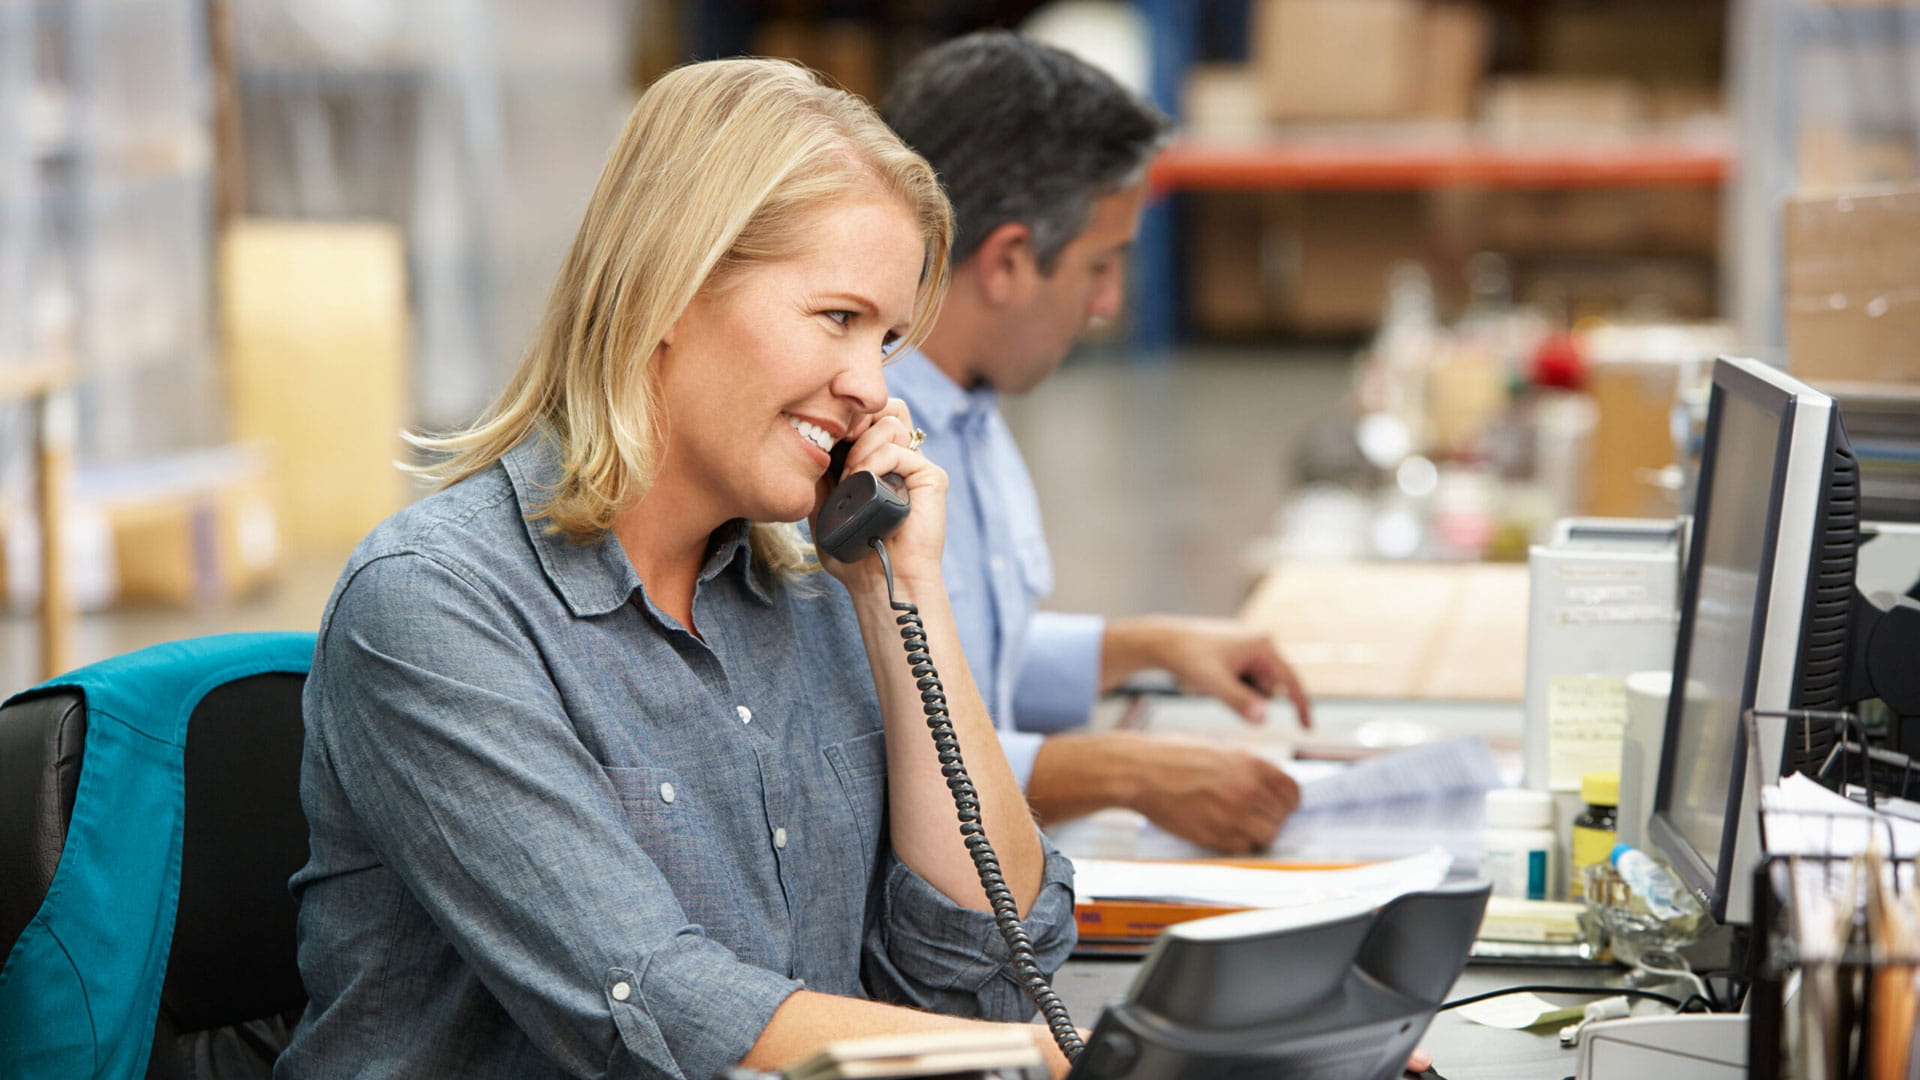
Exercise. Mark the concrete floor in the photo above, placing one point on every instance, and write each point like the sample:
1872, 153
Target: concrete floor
1156, 481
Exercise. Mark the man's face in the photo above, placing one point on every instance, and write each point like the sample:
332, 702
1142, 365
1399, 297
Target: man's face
1088, 282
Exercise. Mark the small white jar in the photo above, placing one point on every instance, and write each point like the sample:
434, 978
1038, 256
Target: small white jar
1520, 851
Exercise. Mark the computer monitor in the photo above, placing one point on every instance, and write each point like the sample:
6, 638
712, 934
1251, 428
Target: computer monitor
1765, 606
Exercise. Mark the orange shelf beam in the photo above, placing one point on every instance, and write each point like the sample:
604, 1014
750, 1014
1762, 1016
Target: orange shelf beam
1347, 164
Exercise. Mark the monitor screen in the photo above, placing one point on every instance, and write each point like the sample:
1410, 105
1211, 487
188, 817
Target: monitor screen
1722, 652
1751, 601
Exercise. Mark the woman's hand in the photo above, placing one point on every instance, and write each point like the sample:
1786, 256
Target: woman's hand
880, 446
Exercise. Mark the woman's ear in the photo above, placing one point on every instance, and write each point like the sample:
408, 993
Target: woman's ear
1005, 262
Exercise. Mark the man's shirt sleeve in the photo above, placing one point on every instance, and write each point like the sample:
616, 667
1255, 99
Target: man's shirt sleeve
1059, 673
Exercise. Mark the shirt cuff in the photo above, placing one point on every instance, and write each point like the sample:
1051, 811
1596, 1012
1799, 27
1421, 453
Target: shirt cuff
953, 959
1020, 748
1059, 672
717, 1005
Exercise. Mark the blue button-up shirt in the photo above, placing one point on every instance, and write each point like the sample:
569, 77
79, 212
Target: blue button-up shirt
554, 833
1038, 670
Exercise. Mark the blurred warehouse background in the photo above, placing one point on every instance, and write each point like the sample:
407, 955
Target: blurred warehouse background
1421, 277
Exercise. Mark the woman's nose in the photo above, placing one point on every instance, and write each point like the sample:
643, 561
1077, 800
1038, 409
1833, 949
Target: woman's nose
862, 384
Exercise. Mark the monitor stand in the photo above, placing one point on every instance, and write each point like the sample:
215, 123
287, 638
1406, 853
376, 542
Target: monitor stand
1691, 1046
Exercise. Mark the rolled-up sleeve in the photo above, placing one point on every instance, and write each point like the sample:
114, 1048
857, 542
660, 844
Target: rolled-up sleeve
454, 755
931, 953
1059, 675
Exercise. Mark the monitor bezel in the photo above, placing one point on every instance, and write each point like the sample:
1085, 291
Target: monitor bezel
1805, 419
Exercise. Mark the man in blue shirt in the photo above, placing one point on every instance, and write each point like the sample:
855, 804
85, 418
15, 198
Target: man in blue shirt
1045, 159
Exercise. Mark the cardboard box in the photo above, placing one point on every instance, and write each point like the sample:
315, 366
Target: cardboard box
1456, 40
1651, 40
1544, 108
845, 50
179, 530
1648, 288
1306, 262
206, 542
1682, 220
1632, 437
1852, 305
1678, 220
1835, 159
1337, 59
317, 357
1339, 248
1231, 289
1326, 619
1685, 105
1560, 221
1222, 103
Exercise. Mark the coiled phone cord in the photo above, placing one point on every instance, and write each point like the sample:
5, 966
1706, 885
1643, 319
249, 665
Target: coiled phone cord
966, 802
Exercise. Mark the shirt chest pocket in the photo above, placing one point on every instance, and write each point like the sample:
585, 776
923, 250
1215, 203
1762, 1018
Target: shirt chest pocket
860, 764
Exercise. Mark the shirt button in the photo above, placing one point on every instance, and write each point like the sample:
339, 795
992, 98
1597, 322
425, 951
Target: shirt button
666, 793
621, 991
997, 562
780, 839
746, 714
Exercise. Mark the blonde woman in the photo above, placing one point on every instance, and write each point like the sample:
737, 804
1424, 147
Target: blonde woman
602, 781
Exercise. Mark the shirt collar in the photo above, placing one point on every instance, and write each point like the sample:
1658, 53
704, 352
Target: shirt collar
940, 402
596, 577
733, 550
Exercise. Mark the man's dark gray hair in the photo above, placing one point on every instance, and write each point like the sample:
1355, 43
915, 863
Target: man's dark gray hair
1022, 132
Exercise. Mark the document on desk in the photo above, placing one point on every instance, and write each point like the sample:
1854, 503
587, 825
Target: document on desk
1242, 886
1401, 803
1800, 817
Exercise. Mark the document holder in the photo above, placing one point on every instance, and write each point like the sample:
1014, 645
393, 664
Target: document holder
1333, 992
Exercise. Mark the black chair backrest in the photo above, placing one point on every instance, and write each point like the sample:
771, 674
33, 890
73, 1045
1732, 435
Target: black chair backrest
40, 745
232, 982
233, 937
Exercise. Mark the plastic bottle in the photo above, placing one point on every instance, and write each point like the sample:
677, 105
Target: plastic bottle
1518, 845
1593, 830
1644, 910
1654, 884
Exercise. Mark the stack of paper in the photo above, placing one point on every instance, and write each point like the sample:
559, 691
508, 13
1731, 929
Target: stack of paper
1255, 887
928, 1053
1398, 804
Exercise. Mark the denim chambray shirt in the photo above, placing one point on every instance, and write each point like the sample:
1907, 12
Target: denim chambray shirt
554, 833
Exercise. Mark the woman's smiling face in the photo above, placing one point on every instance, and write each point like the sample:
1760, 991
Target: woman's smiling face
761, 375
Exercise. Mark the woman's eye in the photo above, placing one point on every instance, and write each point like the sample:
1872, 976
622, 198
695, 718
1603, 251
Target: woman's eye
841, 317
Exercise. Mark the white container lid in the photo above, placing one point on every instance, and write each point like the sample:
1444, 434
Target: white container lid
1519, 808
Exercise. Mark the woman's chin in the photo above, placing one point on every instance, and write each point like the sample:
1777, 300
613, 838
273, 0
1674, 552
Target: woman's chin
785, 511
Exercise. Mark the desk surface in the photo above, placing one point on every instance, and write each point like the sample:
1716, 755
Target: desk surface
1461, 1049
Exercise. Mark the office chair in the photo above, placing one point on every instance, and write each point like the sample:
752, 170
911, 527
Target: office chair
149, 820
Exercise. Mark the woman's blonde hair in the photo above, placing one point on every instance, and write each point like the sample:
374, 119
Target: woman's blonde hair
720, 167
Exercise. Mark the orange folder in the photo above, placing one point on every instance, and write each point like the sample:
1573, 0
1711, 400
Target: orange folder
1129, 926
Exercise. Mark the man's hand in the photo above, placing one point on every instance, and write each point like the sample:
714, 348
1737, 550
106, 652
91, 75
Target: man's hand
1215, 795
1217, 657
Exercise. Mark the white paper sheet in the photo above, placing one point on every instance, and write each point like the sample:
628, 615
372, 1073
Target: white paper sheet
1119, 879
1449, 767
1402, 803
1803, 818
1517, 1012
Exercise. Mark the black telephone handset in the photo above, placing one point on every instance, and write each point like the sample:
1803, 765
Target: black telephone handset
860, 509
860, 512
